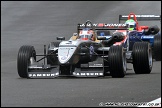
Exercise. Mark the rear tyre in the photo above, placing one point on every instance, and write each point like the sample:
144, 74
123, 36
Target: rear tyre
142, 58
53, 59
157, 48
117, 61
23, 59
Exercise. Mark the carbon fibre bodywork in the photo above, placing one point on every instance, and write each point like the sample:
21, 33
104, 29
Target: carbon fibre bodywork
75, 57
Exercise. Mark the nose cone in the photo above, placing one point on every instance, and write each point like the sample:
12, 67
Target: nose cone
65, 54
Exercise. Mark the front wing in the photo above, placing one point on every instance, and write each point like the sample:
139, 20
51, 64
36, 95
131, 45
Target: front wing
92, 69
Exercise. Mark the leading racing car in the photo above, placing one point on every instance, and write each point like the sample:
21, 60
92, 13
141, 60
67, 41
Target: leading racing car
83, 55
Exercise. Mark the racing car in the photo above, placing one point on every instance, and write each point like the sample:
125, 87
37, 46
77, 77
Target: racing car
139, 33
140, 54
83, 55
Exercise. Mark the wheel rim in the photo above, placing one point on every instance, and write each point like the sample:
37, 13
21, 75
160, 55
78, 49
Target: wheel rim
150, 58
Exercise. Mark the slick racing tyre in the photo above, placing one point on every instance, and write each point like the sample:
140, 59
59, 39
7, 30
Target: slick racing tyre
157, 48
23, 59
142, 58
52, 59
117, 61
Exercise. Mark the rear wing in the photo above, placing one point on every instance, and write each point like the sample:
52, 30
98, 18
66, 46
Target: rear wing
140, 17
103, 26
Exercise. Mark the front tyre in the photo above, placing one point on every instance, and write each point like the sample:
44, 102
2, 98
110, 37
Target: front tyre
117, 61
23, 59
142, 58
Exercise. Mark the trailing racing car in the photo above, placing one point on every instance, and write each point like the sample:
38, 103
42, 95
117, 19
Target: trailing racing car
139, 54
139, 33
83, 55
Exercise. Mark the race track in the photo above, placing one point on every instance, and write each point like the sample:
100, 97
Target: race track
40, 22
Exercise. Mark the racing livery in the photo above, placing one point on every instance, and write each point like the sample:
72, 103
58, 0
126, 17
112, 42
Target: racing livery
149, 34
140, 54
83, 55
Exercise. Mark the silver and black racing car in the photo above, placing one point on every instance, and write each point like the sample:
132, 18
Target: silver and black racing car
83, 55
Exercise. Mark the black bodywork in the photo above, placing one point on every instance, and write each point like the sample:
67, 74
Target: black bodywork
83, 58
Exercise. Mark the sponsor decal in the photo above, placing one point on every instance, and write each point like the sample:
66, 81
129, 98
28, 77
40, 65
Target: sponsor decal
97, 64
42, 75
147, 37
82, 74
100, 25
88, 74
115, 25
88, 25
104, 25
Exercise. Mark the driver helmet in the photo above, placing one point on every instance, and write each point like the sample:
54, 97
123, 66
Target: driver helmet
131, 24
86, 34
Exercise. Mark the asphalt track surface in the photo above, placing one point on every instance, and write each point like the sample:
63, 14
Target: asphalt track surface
40, 22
